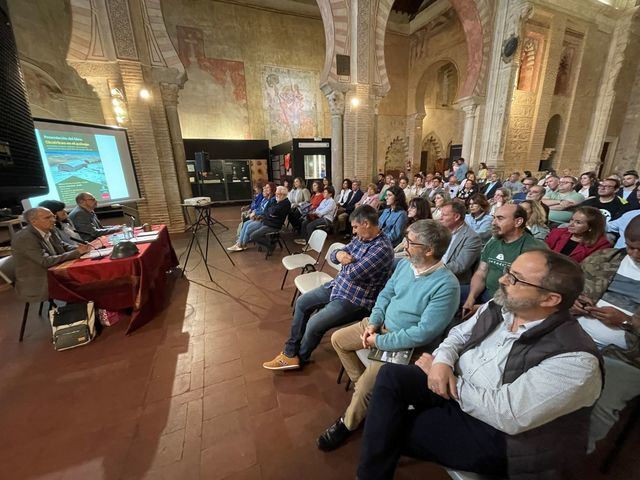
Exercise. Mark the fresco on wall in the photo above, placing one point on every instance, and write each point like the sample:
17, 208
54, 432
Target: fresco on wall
290, 102
530, 61
563, 80
213, 103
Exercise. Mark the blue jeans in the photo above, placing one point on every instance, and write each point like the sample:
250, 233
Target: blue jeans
248, 228
307, 331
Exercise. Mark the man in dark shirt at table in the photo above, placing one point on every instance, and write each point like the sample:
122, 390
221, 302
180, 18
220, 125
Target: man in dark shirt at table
85, 220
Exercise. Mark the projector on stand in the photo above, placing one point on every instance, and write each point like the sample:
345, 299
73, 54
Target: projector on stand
197, 201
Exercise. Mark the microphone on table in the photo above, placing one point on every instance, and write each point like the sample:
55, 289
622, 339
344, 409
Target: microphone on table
83, 242
124, 211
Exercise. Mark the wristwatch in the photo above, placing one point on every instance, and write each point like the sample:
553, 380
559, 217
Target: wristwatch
627, 325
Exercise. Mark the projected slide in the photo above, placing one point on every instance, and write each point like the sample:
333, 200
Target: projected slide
75, 164
85, 158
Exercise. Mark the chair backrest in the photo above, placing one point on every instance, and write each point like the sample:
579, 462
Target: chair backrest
334, 246
316, 241
7, 269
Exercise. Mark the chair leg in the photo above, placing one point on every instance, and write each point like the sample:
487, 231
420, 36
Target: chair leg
348, 385
24, 321
40, 309
295, 294
284, 279
340, 374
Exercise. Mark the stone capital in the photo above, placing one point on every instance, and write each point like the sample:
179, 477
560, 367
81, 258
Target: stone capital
336, 101
469, 105
169, 93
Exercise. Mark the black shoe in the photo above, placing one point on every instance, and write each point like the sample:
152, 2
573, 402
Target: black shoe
333, 437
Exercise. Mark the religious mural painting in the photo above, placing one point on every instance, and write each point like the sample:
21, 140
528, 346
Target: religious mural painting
213, 103
531, 55
290, 102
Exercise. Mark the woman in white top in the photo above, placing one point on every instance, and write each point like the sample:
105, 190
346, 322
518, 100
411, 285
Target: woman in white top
345, 193
299, 193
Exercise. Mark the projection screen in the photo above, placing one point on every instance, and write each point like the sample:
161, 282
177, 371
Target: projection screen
85, 158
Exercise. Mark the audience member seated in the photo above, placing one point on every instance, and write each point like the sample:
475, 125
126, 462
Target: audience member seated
467, 191
479, 218
536, 194
345, 194
536, 218
64, 227
464, 250
500, 198
273, 220
393, 219
452, 186
299, 213
366, 264
439, 199
611, 206
85, 220
551, 183
587, 185
403, 183
255, 204
417, 189
388, 182
618, 226
527, 183
418, 210
513, 184
609, 311
380, 183
35, 249
491, 186
584, 235
629, 189
371, 197
561, 202
411, 312
350, 206
506, 393
254, 222
510, 239
299, 197
436, 188
322, 216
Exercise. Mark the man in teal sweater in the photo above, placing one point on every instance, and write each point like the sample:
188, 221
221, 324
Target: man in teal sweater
412, 310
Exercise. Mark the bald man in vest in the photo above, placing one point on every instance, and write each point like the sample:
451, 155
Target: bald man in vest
508, 392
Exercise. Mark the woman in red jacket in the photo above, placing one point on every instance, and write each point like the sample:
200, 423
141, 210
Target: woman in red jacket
585, 235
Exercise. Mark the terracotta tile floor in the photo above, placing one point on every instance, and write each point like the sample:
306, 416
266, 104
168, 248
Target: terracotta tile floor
184, 397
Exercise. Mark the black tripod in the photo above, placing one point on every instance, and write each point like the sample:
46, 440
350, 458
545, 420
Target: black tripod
203, 220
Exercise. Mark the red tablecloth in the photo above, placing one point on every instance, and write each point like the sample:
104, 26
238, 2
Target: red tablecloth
137, 282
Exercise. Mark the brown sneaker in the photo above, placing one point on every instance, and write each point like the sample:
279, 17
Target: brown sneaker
282, 362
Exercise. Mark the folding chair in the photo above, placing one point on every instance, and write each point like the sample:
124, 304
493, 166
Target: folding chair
303, 260
7, 273
308, 281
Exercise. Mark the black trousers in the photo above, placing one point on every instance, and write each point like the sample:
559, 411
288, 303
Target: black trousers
436, 431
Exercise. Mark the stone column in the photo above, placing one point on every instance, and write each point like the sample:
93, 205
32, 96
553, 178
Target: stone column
510, 16
170, 101
628, 149
336, 107
606, 92
414, 139
469, 106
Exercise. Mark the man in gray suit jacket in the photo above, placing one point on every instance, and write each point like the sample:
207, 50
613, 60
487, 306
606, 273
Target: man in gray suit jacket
85, 219
464, 250
34, 250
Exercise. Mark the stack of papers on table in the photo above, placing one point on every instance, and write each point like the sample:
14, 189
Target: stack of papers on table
145, 237
101, 252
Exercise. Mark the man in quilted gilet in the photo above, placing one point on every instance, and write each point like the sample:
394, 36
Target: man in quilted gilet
508, 392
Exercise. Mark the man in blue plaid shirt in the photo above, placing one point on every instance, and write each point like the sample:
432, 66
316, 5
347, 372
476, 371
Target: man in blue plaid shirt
366, 266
